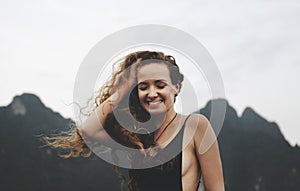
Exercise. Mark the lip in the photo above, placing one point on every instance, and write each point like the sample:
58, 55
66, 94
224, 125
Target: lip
154, 102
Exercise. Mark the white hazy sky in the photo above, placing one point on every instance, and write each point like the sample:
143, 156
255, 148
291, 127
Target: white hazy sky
254, 43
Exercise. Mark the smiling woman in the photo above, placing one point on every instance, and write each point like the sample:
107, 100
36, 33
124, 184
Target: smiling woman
151, 81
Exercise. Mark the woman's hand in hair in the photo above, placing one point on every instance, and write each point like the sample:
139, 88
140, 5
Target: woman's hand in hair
125, 82
93, 126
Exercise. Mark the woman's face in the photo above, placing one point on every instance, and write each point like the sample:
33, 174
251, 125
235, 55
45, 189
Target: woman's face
155, 89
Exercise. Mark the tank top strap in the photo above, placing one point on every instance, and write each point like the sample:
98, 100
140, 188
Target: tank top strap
183, 126
179, 137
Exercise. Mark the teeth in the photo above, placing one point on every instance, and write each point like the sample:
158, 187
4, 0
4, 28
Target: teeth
154, 102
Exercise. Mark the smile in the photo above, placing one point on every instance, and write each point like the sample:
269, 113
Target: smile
154, 102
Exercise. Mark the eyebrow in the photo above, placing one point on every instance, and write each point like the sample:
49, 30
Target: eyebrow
156, 81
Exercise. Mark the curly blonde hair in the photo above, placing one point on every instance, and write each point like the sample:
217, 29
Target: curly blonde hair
72, 140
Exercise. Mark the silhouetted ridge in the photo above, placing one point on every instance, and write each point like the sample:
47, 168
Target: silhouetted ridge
30, 99
30, 102
250, 115
25, 165
220, 104
231, 117
256, 123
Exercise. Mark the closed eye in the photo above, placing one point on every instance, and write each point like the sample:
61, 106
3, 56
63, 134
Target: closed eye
160, 85
142, 86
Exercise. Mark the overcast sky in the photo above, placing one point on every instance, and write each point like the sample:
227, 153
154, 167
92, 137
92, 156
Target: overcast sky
255, 44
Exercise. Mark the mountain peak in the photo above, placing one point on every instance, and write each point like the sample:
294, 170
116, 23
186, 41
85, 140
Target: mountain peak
28, 98
218, 100
249, 111
250, 115
22, 103
17, 107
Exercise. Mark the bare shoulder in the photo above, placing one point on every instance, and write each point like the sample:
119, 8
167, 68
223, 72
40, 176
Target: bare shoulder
198, 122
196, 126
203, 122
201, 132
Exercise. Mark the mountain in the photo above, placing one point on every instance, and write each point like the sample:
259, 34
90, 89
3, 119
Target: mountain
26, 165
255, 155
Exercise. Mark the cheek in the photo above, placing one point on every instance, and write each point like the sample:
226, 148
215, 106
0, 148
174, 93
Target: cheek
170, 96
141, 95
168, 92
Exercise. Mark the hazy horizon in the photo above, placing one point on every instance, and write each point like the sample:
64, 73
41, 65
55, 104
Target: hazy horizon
239, 115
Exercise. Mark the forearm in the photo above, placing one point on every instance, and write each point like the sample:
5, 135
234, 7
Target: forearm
92, 127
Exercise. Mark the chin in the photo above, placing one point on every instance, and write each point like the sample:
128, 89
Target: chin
156, 111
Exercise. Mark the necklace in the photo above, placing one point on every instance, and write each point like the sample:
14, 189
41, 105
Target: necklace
154, 141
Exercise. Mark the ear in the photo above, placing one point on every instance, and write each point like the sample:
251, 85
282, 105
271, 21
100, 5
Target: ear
177, 88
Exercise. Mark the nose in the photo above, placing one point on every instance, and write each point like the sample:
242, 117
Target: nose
152, 92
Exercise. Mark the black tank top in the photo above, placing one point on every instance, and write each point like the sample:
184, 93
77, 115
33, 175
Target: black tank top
165, 177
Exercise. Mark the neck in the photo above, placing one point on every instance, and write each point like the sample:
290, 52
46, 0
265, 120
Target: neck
163, 119
162, 128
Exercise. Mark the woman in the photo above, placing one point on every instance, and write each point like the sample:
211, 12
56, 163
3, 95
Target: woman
145, 88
